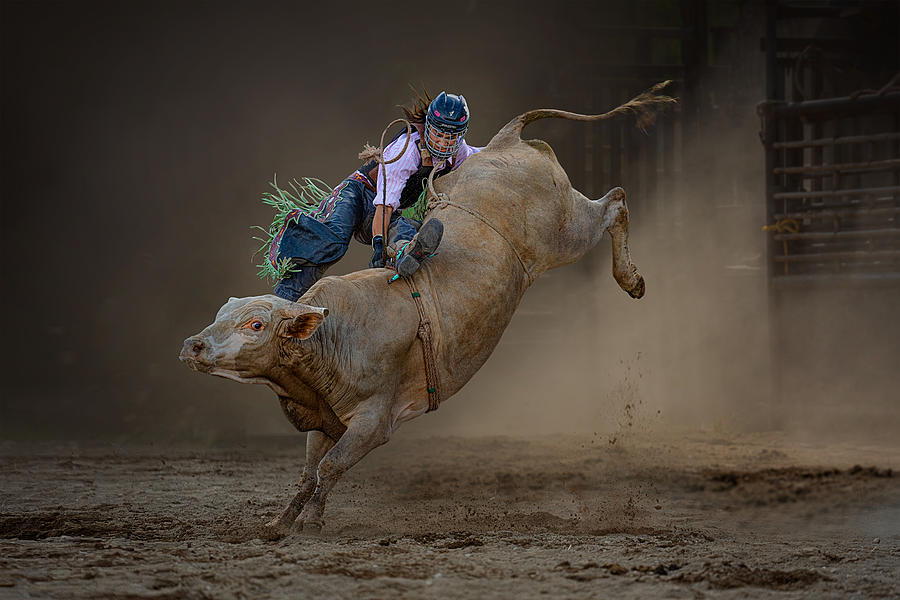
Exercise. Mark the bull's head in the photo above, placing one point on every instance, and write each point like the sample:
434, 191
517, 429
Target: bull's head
247, 338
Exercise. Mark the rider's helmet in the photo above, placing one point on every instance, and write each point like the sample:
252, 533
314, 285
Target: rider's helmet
446, 124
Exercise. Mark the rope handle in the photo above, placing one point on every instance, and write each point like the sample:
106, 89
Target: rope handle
380, 158
431, 191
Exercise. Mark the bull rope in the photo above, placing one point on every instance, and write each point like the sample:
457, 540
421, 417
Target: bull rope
432, 375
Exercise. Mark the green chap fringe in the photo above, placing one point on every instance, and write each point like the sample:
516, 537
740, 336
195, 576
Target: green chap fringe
308, 198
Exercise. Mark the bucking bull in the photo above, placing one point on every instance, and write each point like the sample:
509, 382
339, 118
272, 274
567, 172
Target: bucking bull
348, 361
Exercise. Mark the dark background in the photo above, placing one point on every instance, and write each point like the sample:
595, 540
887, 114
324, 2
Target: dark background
137, 138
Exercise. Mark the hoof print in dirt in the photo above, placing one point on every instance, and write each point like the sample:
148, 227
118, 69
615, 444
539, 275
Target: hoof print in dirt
728, 576
311, 529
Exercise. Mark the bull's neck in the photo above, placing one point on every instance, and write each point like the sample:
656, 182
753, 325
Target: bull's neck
304, 408
289, 383
315, 363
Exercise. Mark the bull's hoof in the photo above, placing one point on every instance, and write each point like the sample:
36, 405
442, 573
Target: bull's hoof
278, 527
638, 290
276, 523
273, 530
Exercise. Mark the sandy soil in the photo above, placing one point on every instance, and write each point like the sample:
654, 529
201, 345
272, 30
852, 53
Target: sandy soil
692, 516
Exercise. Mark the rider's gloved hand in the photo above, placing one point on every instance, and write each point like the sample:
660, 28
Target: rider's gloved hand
378, 252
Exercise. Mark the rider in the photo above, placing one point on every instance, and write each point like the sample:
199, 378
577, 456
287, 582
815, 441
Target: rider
314, 245
438, 137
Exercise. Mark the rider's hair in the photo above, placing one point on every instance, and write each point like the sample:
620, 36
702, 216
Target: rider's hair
418, 108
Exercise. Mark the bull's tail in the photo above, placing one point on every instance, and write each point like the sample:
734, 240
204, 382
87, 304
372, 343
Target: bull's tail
644, 107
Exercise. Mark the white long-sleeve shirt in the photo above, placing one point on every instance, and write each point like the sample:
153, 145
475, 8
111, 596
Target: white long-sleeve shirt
398, 172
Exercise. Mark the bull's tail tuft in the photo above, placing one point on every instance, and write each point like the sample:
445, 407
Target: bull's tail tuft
645, 107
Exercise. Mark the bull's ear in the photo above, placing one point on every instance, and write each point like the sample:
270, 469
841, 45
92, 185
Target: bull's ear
305, 324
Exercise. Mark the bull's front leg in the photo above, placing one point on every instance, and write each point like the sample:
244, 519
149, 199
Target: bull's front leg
613, 212
317, 444
366, 431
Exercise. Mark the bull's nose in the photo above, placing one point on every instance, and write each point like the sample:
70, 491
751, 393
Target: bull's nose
193, 347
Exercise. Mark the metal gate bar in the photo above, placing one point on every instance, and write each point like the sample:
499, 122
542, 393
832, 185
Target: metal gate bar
833, 199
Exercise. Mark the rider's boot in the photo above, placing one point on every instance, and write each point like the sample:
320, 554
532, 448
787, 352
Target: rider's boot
297, 282
421, 247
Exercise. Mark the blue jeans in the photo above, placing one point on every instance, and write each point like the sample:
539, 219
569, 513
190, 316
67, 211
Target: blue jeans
316, 245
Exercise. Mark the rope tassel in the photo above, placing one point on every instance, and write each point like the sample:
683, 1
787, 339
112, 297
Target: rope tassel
784, 226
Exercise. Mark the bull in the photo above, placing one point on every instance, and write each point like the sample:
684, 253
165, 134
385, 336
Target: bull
346, 360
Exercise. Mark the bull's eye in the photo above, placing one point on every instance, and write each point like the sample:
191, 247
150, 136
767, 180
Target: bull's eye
255, 325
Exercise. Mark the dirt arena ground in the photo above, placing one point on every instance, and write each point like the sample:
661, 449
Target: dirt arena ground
699, 515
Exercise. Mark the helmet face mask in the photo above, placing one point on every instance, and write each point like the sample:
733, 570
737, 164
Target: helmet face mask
441, 144
446, 124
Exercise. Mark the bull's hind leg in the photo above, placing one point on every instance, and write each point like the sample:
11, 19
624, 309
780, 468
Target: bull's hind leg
366, 431
613, 212
317, 444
